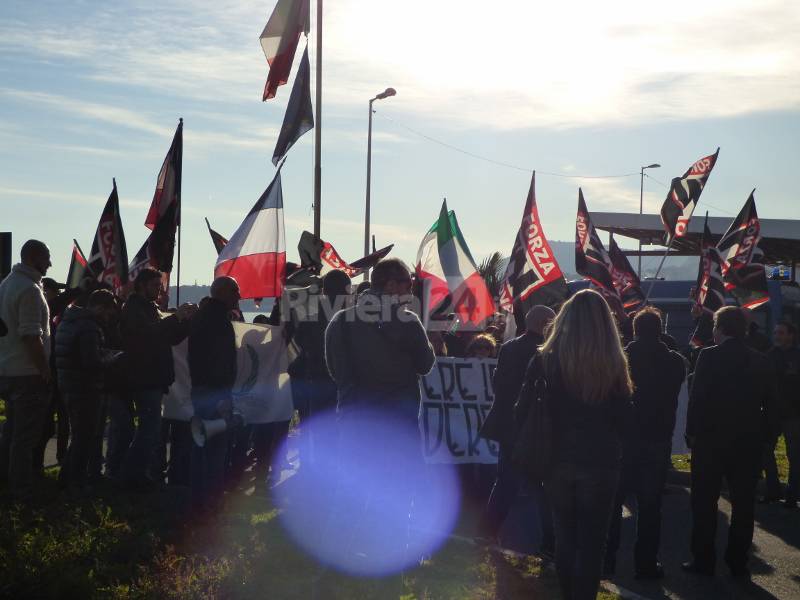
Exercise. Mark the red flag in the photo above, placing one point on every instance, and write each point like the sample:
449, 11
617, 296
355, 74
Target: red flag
684, 193
532, 275
168, 185
218, 241
289, 19
256, 254
109, 256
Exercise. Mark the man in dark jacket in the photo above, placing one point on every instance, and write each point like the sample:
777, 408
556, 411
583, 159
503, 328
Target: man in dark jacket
785, 357
376, 351
731, 389
658, 374
147, 338
81, 358
512, 363
212, 366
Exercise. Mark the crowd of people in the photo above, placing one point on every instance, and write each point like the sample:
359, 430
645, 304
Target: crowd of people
610, 404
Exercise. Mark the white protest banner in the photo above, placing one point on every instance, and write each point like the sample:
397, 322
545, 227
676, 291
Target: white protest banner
456, 397
261, 393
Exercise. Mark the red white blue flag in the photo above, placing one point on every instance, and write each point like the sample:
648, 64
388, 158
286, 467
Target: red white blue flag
256, 254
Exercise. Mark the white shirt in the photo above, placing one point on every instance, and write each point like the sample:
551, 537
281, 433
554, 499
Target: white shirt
24, 310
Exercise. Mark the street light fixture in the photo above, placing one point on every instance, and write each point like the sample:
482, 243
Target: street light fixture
641, 205
387, 93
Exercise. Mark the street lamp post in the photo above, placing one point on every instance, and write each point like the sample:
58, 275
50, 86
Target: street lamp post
384, 94
641, 205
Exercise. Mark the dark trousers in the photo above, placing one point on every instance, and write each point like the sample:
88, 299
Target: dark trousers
582, 501
59, 427
507, 485
207, 466
27, 398
644, 473
120, 412
267, 438
84, 417
141, 454
770, 467
738, 462
791, 432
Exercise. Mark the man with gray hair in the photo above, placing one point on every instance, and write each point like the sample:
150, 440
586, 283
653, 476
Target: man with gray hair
24, 365
512, 362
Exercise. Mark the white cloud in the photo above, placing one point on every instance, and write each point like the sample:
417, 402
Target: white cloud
523, 64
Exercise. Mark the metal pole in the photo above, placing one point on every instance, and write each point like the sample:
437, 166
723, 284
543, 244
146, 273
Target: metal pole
318, 130
661, 264
641, 204
178, 288
369, 176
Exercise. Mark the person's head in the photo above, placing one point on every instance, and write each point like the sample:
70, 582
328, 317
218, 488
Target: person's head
103, 305
538, 318
730, 322
226, 290
362, 287
482, 346
261, 320
583, 343
335, 283
51, 288
203, 302
647, 325
784, 335
392, 277
36, 254
148, 283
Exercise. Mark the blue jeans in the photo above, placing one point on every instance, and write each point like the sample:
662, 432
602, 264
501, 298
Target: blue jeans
141, 454
582, 499
207, 470
27, 400
644, 473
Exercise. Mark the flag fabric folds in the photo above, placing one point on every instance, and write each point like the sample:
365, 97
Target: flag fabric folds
684, 192
710, 297
743, 267
78, 267
256, 254
532, 276
108, 259
321, 257
706, 242
592, 260
444, 259
626, 281
289, 19
218, 241
168, 185
299, 116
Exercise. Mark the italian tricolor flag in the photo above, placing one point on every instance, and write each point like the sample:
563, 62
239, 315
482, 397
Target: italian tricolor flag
445, 261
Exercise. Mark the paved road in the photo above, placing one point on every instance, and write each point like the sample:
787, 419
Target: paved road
775, 564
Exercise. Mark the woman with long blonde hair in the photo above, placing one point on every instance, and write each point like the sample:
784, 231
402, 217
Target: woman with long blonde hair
589, 388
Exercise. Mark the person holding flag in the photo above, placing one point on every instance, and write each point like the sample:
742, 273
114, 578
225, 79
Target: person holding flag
147, 339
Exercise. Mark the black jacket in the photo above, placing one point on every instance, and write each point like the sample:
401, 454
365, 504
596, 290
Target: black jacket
212, 348
657, 374
512, 362
787, 375
730, 394
80, 353
147, 338
585, 435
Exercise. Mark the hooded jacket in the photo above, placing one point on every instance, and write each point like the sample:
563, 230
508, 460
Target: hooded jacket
80, 355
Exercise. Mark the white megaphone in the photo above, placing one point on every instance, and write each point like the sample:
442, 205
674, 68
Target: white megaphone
203, 430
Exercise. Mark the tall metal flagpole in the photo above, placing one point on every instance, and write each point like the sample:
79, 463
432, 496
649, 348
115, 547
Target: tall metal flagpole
178, 289
318, 130
658, 271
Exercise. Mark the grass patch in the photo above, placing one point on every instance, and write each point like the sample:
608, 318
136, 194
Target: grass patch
126, 546
683, 462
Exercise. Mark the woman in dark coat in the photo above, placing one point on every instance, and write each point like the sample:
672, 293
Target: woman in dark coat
590, 388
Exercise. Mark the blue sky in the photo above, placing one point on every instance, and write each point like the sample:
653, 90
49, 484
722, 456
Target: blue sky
91, 91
